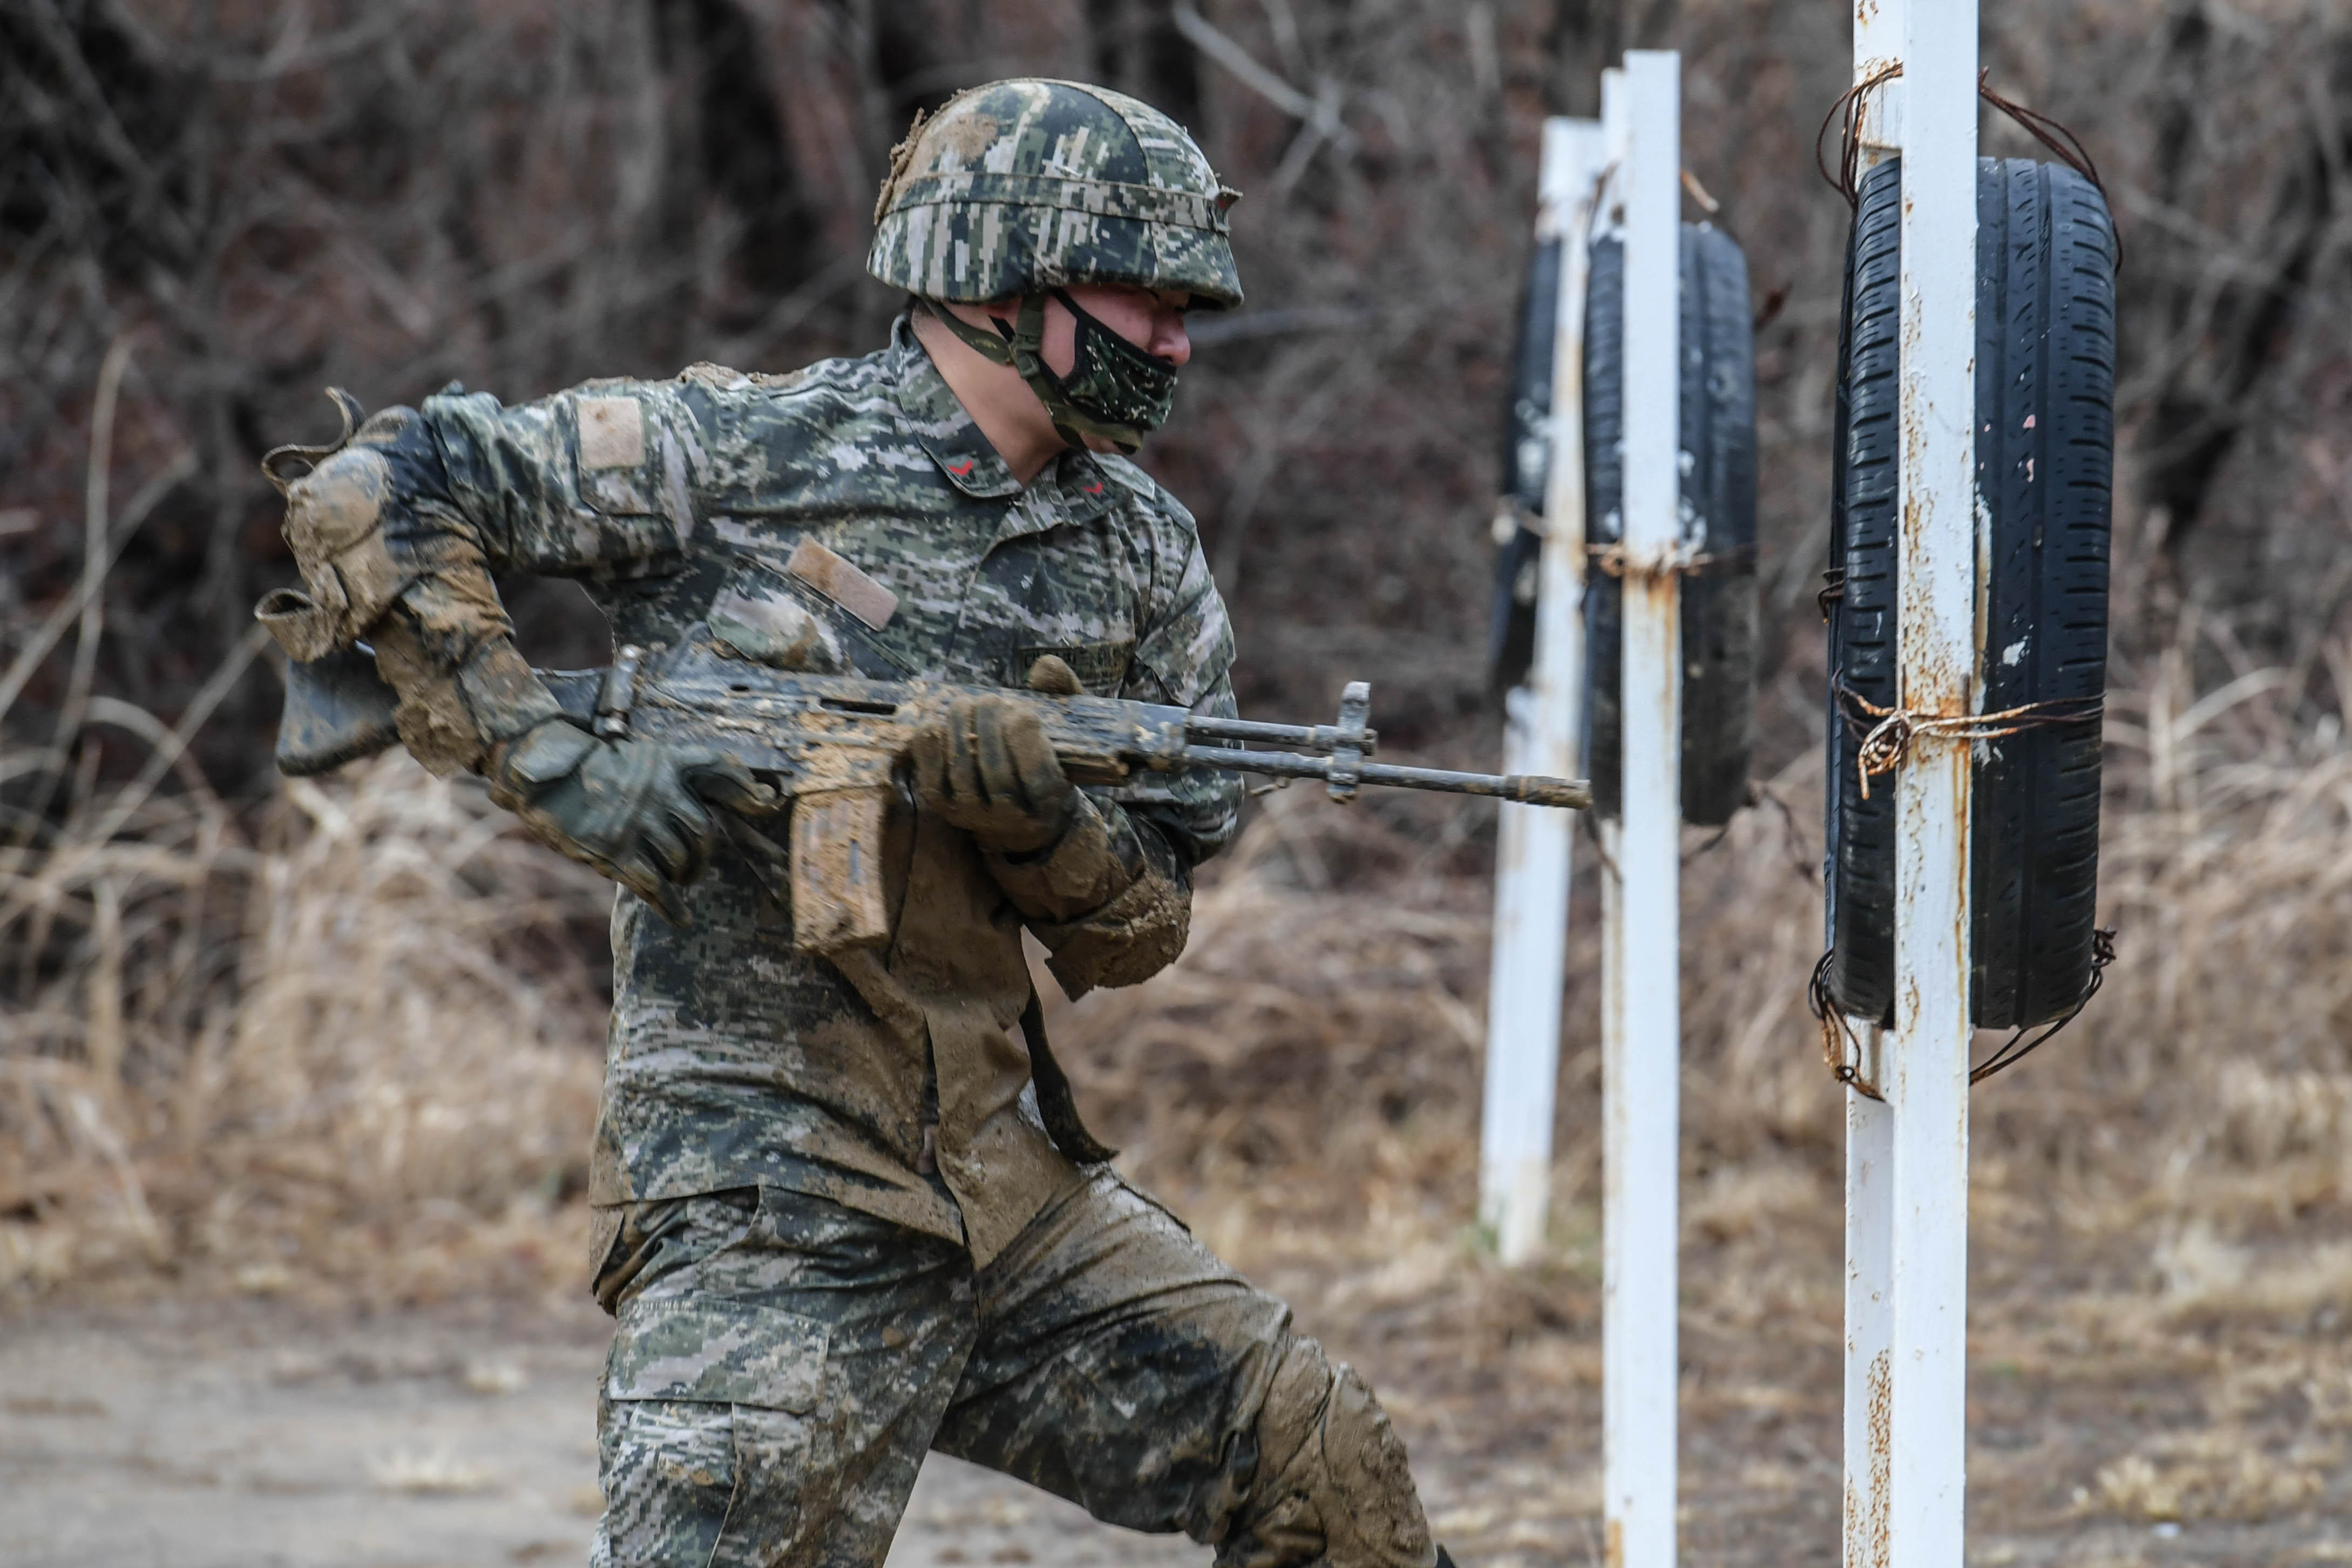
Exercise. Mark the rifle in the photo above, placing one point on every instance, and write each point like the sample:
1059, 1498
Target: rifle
837, 746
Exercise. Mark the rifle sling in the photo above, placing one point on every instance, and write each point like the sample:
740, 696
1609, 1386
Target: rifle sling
1056, 1103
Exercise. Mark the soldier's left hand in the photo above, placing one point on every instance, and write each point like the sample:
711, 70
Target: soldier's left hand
989, 769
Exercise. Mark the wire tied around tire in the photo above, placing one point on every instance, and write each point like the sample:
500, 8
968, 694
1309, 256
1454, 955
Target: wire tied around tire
2043, 461
1887, 740
1833, 590
1847, 180
1614, 559
1837, 1033
2062, 143
2103, 953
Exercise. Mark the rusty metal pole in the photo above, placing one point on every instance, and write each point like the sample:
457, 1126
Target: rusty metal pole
1928, 1055
1641, 1080
1544, 735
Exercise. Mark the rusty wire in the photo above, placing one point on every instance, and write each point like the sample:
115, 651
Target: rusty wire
1792, 836
1613, 559
1836, 1033
1887, 741
2103, 953
2062, 143
1845, 181
1712, 839
1883, 747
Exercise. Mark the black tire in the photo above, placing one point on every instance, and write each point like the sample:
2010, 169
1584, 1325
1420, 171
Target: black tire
1841, 741
1527, 470
1718, 493
1511, 646
1860, 892
2045, 443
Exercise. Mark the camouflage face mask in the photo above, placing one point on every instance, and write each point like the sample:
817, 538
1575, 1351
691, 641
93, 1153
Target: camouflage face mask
1115, 390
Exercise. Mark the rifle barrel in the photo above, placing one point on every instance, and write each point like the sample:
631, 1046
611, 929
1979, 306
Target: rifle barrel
1527, 789
1530, 788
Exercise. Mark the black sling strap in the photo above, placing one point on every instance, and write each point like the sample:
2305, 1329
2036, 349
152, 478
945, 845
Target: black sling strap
1056, 1103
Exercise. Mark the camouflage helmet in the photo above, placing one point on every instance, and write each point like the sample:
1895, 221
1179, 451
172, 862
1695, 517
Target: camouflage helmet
1026, 185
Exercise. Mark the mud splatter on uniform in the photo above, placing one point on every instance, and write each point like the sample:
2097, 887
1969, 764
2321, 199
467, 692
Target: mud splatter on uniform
782, 1364
734, 1059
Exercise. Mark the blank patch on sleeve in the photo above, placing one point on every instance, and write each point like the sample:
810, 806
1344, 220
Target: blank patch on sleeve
612, 432
839, 580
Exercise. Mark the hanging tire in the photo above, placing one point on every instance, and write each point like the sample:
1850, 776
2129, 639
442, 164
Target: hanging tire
1527, 471
1841, 741
1860, 887
1719, 600
2045, 443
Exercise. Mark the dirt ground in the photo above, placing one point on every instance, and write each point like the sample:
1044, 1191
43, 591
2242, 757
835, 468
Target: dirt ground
2192, 1407
243, 1433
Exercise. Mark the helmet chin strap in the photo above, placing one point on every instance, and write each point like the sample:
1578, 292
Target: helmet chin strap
1022, 347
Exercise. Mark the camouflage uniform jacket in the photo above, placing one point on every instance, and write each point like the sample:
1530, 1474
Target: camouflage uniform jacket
894, 1082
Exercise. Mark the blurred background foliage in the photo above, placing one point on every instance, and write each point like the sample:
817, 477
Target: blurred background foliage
259, 198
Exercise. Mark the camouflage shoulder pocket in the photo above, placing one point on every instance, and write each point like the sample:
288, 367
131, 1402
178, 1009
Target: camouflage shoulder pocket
624, 461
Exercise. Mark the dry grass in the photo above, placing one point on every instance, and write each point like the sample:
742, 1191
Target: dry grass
251, 1047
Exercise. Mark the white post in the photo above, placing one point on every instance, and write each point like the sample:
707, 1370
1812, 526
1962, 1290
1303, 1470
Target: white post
1641, 1087
1870, 1122
1928, 1065
1869, 1308
1522, 1007
1501, 1156
1531, 885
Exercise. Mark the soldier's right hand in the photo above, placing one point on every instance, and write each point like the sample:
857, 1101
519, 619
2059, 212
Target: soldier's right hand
987, 767
636, 811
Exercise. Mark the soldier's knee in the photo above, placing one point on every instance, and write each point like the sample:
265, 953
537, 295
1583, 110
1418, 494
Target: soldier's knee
1332, 1485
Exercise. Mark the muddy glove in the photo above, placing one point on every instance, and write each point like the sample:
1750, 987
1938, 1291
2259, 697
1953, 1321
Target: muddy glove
989, 770
636, 811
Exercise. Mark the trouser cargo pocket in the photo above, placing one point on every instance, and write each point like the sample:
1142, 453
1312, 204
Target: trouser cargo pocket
705, 1432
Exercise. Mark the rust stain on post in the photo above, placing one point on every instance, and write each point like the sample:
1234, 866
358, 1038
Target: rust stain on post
1881, 1460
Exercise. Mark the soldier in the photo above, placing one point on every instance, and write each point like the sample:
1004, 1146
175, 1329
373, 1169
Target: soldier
844, 1214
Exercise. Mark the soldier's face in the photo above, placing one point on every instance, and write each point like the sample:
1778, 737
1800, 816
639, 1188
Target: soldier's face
1153, 320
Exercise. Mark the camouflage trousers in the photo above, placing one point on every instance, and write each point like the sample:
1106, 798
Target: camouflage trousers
782, 1364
